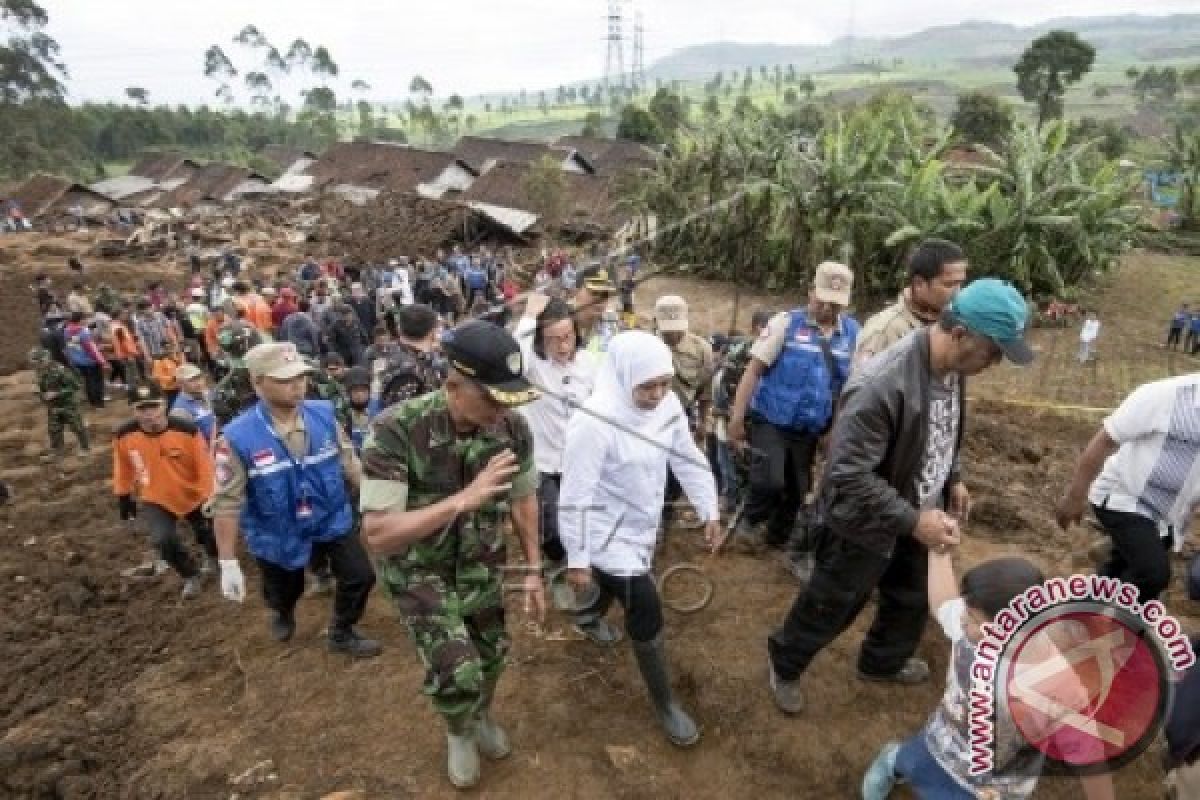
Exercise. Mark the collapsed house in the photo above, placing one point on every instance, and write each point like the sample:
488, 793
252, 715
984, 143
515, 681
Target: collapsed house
47, 196
611, 156
152, 175
483, 154
359, 171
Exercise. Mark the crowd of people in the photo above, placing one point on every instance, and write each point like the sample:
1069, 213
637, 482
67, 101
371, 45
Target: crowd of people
382, 424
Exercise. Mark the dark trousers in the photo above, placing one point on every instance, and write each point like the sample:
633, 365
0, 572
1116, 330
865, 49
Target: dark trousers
93, 384
548, 488
638, 597
1173, 337
842, 582
282, 587
119, 373
164, 535
1140, 556
781, 466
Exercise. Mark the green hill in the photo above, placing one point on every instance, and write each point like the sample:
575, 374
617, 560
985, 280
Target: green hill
976, 45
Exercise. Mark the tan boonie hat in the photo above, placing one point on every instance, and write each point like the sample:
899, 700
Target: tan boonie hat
185, 372
278, 360
832, 283
671, 314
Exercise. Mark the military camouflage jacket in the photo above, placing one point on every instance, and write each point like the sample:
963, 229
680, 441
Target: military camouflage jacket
232, 395
322, 386
413, 458
408, 373
54, 377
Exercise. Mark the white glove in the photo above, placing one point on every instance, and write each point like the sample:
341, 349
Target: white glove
233, 582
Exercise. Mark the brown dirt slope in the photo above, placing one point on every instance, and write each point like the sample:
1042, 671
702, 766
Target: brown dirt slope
113, 688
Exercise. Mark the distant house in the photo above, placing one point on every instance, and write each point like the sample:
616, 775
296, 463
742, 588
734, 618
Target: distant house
483, 154
46, 195
361, 170
611, 156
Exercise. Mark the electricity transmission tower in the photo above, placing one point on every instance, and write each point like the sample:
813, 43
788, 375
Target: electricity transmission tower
639, 53
614, 61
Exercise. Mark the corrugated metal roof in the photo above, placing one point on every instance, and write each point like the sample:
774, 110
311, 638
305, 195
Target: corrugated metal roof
123, 186
514, 219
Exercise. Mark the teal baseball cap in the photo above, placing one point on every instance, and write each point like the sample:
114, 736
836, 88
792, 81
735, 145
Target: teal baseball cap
995, 309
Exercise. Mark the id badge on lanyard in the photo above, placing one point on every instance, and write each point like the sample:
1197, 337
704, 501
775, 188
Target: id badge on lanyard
304, 509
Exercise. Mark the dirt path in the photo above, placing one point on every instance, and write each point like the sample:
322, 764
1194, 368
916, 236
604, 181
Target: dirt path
113, 688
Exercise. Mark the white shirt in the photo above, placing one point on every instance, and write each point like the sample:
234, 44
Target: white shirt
1156, 472
1090, 330
611, 497
564, 388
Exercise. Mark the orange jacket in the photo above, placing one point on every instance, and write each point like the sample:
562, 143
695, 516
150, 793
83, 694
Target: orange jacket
172, 469
163, 371
125, 344
263, 320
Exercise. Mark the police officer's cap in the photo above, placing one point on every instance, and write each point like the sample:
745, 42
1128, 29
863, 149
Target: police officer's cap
490, 356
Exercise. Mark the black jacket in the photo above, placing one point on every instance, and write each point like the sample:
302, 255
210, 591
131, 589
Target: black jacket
869, 490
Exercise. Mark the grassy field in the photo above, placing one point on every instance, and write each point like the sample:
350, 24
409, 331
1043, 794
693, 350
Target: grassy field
1134, 306
937, 84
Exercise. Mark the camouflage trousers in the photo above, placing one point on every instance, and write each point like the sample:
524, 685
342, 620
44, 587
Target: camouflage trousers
456, 620
58, 419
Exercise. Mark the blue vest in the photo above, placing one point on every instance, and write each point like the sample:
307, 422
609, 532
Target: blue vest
476, 279
278, 487
797, 393
202, 414
1180, 319
76, 347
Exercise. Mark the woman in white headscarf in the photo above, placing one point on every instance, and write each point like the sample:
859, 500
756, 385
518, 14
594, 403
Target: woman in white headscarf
615, 461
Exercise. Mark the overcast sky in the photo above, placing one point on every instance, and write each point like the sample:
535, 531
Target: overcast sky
473, 46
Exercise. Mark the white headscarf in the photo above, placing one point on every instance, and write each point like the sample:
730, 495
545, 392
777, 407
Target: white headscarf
633, 358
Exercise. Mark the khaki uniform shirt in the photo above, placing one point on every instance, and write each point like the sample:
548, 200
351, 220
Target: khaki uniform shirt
231, 472
886, 328
694, 367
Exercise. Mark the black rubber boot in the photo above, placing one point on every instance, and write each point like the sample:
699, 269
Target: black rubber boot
652, 661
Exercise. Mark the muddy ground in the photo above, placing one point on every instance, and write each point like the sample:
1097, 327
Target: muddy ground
114, 688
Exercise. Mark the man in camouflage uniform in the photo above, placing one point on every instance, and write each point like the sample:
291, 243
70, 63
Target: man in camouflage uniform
409, 370
324, 386
107, 299
59, 388
440, 472
234, 393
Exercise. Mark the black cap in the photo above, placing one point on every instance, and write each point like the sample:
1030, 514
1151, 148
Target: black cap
357, 378
489, 355
145, 393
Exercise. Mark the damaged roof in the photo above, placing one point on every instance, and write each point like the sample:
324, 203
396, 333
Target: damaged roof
588, 197
382, 166
479, 152
163, 166
611, 156
44, 193
283, 156
213, 183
